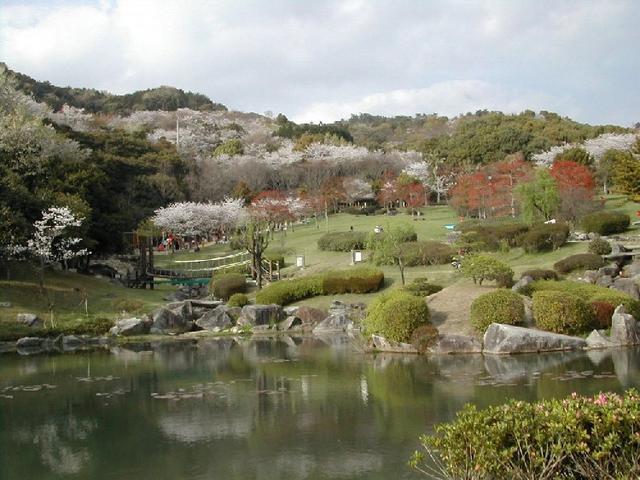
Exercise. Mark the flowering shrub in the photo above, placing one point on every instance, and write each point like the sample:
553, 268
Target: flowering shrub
579, 437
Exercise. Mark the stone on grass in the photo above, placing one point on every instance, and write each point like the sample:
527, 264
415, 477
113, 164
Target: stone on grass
628, 286
590, 276
30, 320
624, 329
604, 281
505, 339
129, 327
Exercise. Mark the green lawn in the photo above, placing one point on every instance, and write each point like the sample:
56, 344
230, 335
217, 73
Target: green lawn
106, 299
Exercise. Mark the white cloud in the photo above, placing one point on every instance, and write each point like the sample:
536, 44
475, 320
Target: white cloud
316, 60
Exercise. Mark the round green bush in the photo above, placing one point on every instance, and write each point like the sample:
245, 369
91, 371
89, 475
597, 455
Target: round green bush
562, 312
545, 236
226, 284
579, 261
606, 223
238, 300
421, 287
599, 246
395, 315
501, 306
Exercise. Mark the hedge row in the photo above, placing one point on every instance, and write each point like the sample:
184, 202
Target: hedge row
342, 241
426, 252
544, 237
580, 261
588, 292
357, 280
606, 223
493, 235
588, 438
396, 315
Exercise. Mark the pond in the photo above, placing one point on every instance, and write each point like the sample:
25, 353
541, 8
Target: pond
270, 408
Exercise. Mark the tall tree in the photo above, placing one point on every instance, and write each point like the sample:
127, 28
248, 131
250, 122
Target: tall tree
539, 198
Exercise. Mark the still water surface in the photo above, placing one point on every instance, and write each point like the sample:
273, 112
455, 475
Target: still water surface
287, 408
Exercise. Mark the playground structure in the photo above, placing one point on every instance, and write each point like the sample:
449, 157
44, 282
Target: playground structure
191, 272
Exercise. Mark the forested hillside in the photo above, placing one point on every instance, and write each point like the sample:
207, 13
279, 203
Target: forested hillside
94, 101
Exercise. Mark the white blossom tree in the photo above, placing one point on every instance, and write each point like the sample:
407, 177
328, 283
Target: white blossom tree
433, 175
52, 242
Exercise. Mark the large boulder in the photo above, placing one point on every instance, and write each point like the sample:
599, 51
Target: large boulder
598, 339
590, 276
290, 323
30, 342
631, 270
505, 339
183, 310
380, 343
310, 316
624, 329
611, 270
336, 322
165, 321
130, 326
604, 281
215, 320
451, 344
29, 319
628, 286
261, 315
523, 282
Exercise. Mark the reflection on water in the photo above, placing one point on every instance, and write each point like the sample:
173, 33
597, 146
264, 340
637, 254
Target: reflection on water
294, 408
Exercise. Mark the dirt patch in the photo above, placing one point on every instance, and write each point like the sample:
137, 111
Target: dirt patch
450, 307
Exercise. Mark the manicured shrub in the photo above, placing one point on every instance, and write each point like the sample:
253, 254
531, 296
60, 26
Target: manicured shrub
342, 241
599, 246
92, 327
421, 287
238, 300
284, 292
606, 223
602, 311
540, 274
395, 315
356, 280
424, 337
494, 233
587, 438
484, 267
589, 293
405, 233
562, 312
544, 237
501, 306
226, 284
580, 261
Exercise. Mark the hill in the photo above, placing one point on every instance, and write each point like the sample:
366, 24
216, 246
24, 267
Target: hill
95, 101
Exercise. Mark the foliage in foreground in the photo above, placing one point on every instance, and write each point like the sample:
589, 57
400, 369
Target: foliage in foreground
501, 306
589, 438
395, 315
562, 312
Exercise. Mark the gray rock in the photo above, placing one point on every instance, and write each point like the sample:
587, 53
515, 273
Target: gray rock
261, 315
624, 329
30, 320
335, 322
289, 311
234, 312
30, 342
597, 339
165, 321
209, 304
451, 344
5, 304
628, 286
183, 310
612, 270
590, 276
71, 341
631, 270
379, 343
215, 320
504, 339
605, 281
290, 323
130, 326
262, 328
310, 316
523, 282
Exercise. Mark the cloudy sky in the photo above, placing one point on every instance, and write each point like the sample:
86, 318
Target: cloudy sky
323, 60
